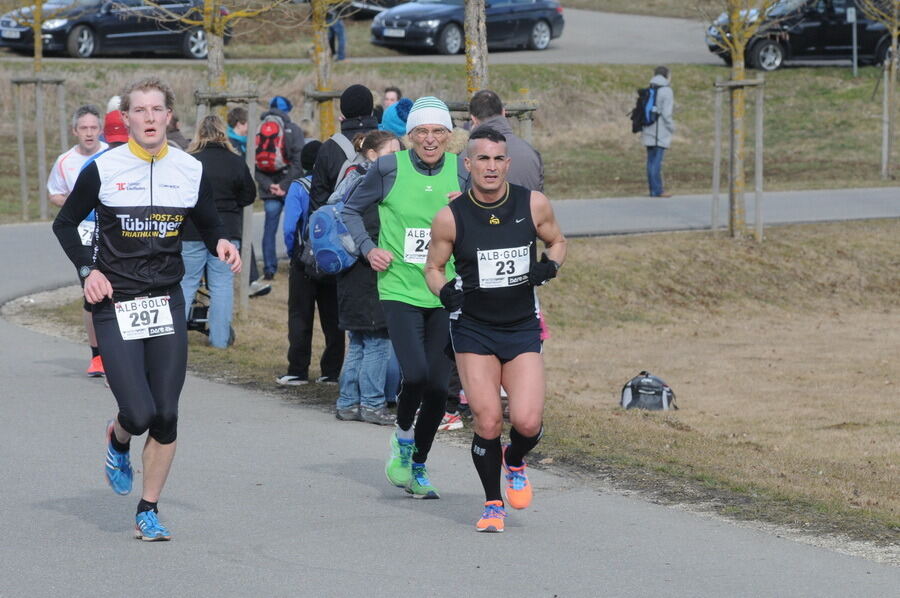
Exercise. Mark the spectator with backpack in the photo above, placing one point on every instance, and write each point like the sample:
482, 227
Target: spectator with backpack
357, 104
362, 393
237, 136
278, 145
658, 127
305, 292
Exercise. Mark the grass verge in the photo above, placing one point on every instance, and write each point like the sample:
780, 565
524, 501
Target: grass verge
828, 136
781, 354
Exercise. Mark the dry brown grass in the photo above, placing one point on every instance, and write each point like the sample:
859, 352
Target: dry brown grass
785, 358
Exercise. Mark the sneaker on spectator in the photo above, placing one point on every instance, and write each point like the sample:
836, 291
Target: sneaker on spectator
290, 380
259, 289
350, 414
450, 421
326, 380
377, 415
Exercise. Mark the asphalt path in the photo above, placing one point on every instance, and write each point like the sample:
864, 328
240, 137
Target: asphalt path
268, 497
590, 37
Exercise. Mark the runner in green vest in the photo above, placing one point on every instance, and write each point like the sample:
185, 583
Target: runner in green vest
409, 188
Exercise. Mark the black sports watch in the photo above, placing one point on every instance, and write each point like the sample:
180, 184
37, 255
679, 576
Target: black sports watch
85, 271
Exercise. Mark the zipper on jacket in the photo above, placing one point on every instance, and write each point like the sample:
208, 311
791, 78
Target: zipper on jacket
152, 237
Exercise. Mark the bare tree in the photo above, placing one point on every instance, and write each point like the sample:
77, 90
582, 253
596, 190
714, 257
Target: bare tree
476, 47
743, 19
887, 12
217, 18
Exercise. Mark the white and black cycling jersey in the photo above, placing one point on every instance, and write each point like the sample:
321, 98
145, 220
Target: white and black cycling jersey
141, 202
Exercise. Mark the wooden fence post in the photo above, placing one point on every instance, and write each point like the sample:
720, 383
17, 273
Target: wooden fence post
20, 142
717, 158
41, 148
758, 169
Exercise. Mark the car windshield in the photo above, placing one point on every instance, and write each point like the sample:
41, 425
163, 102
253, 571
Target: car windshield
448, 2
785, 6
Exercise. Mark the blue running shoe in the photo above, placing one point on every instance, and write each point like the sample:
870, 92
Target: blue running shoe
118, 466
148, 528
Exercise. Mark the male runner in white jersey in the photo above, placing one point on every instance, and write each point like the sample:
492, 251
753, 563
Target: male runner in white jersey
86, 128
143, 192
491, 232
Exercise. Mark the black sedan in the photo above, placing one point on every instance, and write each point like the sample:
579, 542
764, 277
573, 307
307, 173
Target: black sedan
86, 28
438, 25
804, 30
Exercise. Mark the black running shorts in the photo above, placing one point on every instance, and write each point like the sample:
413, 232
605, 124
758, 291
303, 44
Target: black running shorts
504, 342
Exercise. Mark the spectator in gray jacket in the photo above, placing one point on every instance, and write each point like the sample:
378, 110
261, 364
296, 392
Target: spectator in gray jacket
657, 137
526, 167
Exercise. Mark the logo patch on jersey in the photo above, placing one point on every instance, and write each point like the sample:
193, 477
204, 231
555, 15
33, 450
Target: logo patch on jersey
428, 188
157, 225
130, 187
494, 220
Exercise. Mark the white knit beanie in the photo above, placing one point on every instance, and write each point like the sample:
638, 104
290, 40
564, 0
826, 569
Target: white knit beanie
429, 110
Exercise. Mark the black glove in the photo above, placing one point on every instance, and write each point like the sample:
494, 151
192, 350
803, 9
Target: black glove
451, 297
542, 271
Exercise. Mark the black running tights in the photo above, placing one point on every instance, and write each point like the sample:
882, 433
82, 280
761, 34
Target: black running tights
420, 336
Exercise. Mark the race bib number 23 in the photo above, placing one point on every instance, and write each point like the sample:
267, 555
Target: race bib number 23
499, 268
144, 317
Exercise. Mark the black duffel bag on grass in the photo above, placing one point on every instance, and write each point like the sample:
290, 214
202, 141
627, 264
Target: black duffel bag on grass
646, 391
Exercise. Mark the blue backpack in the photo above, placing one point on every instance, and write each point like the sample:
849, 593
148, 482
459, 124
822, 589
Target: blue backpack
330, 242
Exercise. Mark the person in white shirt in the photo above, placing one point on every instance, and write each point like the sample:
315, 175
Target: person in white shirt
86, 127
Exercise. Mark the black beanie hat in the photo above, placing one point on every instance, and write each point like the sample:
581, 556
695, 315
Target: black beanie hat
357, 101
309, 153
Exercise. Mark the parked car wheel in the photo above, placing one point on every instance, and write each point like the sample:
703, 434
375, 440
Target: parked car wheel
540, 36
81, 43
767, 55
195, 45
726, 58
450, 41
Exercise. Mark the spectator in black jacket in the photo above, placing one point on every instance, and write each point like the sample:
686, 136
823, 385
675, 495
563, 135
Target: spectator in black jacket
362, 395
273, 186
232, 190
356, 106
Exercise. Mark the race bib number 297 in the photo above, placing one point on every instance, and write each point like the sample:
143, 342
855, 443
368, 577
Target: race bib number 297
144, 317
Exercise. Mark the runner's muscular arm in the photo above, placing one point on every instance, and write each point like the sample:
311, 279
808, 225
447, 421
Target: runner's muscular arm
443, 235
547, 227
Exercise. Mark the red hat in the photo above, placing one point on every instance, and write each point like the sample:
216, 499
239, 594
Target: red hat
114, 128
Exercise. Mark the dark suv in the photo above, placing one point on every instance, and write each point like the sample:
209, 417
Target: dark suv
85, 28
807, 30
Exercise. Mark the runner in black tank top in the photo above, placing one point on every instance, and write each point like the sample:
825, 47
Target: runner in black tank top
494, 250
492, 232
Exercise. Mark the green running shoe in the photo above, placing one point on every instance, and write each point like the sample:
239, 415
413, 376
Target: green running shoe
420, 486
400, 461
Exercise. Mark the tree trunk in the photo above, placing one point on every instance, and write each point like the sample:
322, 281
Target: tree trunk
476, 47
322, 62
736, 208
888, 170
216, 77
37, 24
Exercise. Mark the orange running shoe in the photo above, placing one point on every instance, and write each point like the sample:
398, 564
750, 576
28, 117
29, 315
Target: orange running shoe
518, 488
95, 370
492, 518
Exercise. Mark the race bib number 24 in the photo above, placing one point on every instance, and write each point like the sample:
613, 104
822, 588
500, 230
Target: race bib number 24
144, 317
415, 245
